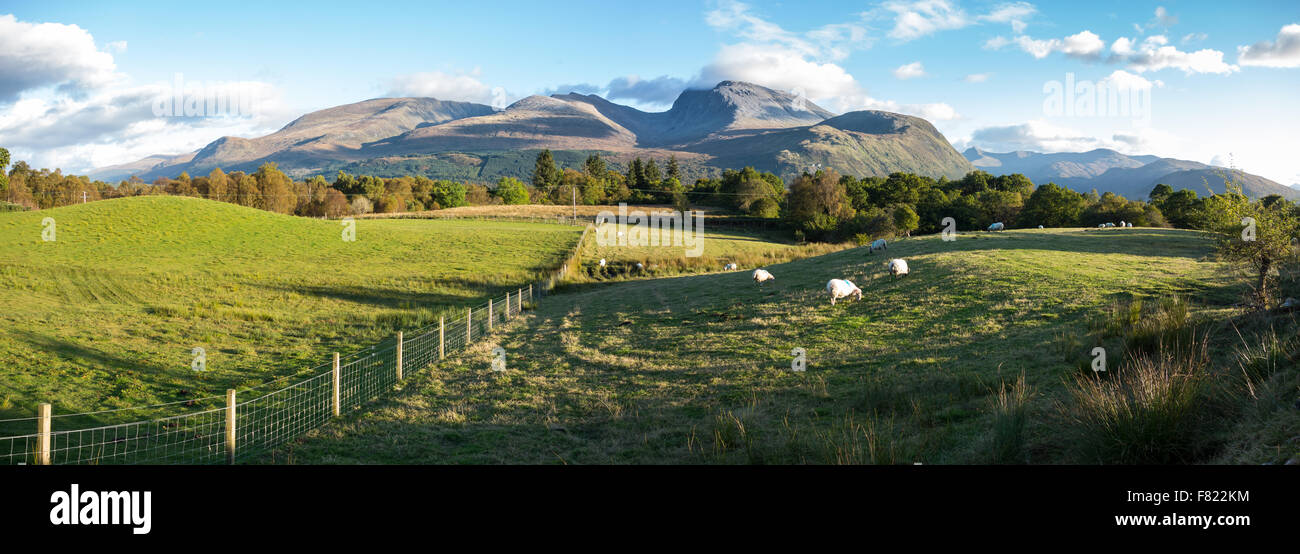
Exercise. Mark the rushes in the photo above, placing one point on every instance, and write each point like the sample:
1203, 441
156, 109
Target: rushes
1010, 412
1146, 411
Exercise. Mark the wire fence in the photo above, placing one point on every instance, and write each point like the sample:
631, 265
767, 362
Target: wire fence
247, 428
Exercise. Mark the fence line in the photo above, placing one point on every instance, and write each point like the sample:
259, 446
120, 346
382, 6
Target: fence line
263, 423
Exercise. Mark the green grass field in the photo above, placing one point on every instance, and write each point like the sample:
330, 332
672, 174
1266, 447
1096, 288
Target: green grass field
748, 249
697, 369
106, 315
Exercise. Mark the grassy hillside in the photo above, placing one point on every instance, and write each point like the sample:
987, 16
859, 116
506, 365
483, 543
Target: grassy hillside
698, 368
106, 315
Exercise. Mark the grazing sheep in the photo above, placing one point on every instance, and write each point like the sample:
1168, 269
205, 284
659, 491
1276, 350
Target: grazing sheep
1130, 224
602, 262
898, 267
878, 244
997, 226
1040, 226
761, 275
729, 267
640, 267
1122, 224
840, 288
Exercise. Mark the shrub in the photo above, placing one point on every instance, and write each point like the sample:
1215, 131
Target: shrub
361, 205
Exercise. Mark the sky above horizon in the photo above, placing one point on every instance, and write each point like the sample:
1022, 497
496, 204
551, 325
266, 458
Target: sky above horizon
81, 83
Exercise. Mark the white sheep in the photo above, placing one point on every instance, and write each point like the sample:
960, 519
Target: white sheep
1130, 224
840, 288
1040, 226
1101, 225
878, 244
997, 226
898, 267
640, 267
602, 262
761, 275
729, 267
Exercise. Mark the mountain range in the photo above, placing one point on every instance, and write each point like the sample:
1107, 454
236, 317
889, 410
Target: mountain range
1128, 175
732, 125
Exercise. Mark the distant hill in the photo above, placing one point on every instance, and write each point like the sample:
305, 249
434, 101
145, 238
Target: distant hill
1131, 176
732, 125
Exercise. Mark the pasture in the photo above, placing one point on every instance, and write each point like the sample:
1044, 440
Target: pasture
698, 369
106, 315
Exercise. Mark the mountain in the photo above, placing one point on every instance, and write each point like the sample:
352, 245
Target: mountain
1128, 175
126, 170
732, 125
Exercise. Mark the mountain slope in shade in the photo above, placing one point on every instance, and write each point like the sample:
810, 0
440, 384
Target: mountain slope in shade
126, 170
1128, 175
732, 125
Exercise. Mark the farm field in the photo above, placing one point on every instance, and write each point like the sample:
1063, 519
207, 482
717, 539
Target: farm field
697, 369
748, 249
106, 316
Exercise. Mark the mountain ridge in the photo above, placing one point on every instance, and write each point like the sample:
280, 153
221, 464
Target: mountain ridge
1132, 176
731, 125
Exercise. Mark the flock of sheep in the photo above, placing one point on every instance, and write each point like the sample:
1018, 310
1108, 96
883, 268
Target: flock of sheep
842, 288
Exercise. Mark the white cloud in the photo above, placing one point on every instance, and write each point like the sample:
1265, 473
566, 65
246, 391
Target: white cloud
118, 125
1285, 52
1014, 14
918, 18
1042, 136
1154, 54
778, 67
834, 41
772, 59
39, 55
977, 77
62, 103
910, 71
1123, 80
913, 19
1194, 37
1083, 45
465, 87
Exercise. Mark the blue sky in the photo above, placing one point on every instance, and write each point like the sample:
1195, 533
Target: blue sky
1221, 81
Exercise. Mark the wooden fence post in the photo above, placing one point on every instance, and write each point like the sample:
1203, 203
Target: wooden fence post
469, 329
336, 384
399, 355
530, 292
230, 426
519, 295
43, 434
489, 319
442, 328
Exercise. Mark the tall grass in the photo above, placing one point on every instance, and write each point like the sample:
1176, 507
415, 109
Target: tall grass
1010, 413
1146, 326
1146, 411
